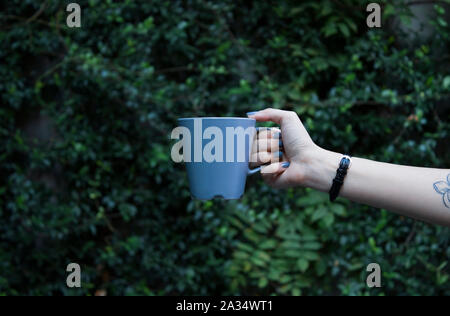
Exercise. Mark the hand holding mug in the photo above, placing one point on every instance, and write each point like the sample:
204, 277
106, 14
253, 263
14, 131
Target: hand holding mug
298, 149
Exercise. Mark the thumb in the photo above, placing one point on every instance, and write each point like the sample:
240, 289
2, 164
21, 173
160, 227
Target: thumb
277, 167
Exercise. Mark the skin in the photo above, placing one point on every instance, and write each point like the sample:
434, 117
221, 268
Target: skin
409, 191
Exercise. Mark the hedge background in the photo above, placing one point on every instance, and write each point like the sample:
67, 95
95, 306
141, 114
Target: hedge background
85, 120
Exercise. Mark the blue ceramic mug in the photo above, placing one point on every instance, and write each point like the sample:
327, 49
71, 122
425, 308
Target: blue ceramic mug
216, 153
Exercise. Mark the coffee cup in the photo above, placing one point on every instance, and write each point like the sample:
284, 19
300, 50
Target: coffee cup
216, 152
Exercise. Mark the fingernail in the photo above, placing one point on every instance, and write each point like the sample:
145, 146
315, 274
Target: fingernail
277, 135
285, 164
278, 154
251, 113
280, 143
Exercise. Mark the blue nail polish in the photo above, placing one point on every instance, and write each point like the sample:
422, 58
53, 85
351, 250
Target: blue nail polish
285, 164
278, 154
251, 113
280, 144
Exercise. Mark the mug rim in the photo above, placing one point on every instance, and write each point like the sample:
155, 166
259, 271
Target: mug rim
215, 118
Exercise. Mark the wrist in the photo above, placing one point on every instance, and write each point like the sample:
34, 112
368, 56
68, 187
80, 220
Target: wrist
321, 169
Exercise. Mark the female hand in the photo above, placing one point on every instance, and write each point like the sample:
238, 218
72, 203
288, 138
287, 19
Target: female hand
291, 169
420, 193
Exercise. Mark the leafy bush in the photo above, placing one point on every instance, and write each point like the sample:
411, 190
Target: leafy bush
86, 115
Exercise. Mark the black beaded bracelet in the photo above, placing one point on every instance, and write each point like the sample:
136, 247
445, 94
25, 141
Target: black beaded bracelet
338, 181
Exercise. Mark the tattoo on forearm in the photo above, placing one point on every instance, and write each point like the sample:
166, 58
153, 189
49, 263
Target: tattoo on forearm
443, 188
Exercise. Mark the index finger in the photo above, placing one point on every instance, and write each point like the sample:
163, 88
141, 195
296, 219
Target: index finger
269, 114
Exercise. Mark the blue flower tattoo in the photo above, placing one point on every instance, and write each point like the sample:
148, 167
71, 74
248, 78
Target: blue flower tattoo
443, 188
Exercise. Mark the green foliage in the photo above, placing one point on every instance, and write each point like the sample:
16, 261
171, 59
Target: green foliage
96, 184
276, 253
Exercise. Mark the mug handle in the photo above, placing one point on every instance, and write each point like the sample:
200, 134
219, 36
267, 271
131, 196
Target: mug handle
253, 171
258, 169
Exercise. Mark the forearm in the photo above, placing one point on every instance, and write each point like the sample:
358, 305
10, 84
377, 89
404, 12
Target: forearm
403, 189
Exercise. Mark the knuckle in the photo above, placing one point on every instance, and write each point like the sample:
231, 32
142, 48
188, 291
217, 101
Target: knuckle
264, 157
292, 114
